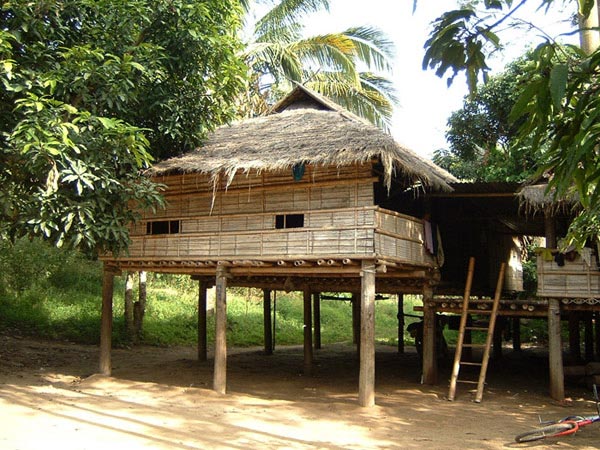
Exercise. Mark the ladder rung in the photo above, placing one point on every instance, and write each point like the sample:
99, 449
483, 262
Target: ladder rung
479, 311
467, 381
477, 328
470, 363
474, 345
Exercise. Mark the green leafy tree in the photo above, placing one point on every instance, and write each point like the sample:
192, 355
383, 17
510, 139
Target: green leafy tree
482, 137
350, 67
92, 91
558, 108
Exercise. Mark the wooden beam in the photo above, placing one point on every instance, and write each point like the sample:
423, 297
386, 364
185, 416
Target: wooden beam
588, 336
317, 320
516, 334
574, 336
366, 378
557, 376
108, 280
267, 323
308, 352
202, 341
430, 374
356, 320
220, 368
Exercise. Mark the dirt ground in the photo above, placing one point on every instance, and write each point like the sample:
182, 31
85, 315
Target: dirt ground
161, 398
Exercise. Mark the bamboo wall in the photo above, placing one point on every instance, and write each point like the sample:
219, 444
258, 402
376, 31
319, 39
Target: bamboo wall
575, 279
238, 221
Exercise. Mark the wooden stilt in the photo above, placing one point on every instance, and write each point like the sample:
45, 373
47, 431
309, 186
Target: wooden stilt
401, 323
597, 333
557, 377
308, 352
574, 337
589, 336
267, 323
497, 339
108, 279
220, 368
356, 319
317, 320
128, 307
366, 379
516, 334
202, 341
430, 374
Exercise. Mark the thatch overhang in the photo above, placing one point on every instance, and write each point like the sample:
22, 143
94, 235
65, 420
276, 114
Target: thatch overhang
310, 136
539, 198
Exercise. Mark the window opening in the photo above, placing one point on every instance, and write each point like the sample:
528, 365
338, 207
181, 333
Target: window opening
163, 227
289, 221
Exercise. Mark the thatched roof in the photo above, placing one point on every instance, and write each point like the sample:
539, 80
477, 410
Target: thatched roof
538, 198
299, 134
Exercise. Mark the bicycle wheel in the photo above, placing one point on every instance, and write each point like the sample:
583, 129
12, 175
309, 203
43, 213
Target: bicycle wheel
554, 429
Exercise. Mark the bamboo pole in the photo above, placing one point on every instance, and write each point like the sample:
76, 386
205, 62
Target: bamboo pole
128, 309
589, 336
516, 334
308, 353
108, 279
366, 379
202, 341
356, 320
267, 323
220, 367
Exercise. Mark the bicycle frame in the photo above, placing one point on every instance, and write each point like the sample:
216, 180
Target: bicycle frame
562, 427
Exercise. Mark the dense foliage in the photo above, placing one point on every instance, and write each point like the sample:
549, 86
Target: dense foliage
558, 105
482, 137
92, 91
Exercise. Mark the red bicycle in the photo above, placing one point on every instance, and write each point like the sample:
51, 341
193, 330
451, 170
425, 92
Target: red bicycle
562, 427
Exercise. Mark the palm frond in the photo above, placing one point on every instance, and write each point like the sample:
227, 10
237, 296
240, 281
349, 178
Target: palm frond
288, 12
372, 47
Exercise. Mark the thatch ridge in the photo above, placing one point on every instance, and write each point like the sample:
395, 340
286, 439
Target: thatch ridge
317, 137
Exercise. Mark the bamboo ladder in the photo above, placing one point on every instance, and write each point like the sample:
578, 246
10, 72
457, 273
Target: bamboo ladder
466, 310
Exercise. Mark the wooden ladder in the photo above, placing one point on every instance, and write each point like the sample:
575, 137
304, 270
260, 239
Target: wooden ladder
466, 310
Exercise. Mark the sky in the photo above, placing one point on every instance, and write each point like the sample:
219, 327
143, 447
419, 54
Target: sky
425, 100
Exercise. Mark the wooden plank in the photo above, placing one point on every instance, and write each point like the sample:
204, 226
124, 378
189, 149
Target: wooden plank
366, 379
220, 365
108, 278
317, 320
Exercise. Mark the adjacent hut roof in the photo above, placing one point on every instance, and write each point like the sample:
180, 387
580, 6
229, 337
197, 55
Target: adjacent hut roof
294, 135
539, 198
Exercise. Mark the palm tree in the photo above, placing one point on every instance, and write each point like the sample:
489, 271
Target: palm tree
278, 55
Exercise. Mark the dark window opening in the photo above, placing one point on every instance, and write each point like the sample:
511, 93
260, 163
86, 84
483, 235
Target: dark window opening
163, 227
289, 221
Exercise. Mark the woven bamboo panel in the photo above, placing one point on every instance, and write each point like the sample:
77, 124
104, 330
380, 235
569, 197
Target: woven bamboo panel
402, 250
407, 228
574, 279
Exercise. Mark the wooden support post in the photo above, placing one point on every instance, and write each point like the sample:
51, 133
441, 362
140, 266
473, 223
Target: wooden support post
497, 338
128, 307
597, 333
401, 323
308, 352
588, 336
220, 368
574, 337
429, 329
202, 341
108, 282
267, 323
317, 320
557, 376
516, 334
366, 378
356, 319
